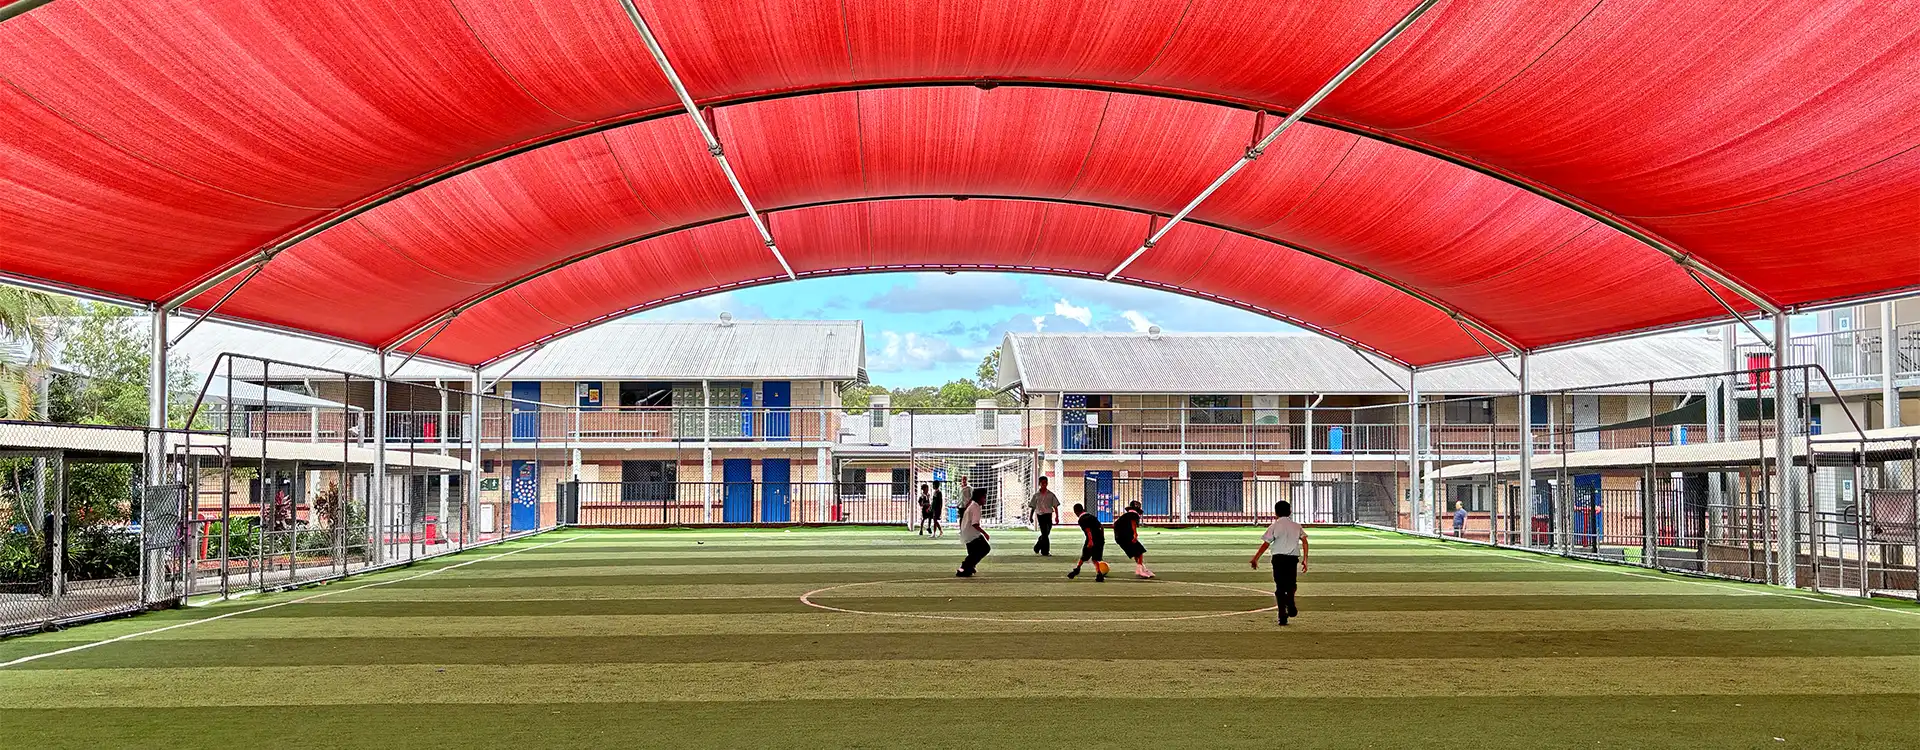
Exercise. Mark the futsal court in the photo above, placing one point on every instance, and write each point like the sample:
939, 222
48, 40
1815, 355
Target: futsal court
863, 638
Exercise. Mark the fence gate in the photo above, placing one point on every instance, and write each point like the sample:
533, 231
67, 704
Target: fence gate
164, 560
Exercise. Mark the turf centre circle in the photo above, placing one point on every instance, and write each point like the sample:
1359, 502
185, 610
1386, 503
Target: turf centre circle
807, 599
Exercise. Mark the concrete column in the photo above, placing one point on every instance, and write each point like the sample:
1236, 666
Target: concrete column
1786, 426
822, 473
1889, 348
1186, 492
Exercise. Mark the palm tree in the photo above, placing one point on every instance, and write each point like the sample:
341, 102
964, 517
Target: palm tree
26, 316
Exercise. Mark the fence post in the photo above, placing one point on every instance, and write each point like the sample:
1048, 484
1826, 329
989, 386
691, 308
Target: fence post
1785, 404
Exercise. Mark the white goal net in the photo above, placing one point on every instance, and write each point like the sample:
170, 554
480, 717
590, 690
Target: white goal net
1008, 476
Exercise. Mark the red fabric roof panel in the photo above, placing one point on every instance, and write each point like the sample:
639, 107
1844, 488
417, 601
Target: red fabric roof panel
147, 146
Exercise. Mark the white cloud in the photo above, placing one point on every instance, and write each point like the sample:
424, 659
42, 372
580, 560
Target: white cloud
1039, 323
1139, 322
1065, 309
903, 352
706, 308
933, 292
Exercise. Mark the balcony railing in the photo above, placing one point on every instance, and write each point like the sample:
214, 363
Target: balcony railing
1852, 358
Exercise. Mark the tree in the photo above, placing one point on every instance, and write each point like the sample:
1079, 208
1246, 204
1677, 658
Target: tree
110, 357
989, 371
28, 317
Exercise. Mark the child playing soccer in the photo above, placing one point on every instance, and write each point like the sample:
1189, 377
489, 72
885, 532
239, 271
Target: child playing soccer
1126, 532
1289, 544
1095, 547
926, 508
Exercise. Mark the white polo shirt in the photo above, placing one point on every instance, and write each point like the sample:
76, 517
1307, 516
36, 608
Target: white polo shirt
969, 522
1284, 536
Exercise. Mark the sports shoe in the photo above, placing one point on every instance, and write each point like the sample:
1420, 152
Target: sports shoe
962, 574
1072, 574
1283, 620
1099, 577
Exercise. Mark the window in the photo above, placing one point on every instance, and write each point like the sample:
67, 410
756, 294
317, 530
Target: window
877, 417
902, 483
647, 481
1213, 410
853, 482
988, 418
1217, 492
1467, 496
1469, 411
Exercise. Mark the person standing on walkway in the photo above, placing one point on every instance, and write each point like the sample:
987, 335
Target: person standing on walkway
973, 534
1044, 505
1289, 544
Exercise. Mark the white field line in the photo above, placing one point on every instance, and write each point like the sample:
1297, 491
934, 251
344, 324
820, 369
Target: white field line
1541, 558
331, 592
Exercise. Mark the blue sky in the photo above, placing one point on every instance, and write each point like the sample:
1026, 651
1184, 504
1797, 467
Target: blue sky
929, 328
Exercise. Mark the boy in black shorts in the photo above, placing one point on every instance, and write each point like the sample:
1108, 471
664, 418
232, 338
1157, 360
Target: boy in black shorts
1096, 544
1126, 531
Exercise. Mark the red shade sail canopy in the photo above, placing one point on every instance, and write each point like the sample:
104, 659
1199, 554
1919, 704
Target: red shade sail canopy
477, 175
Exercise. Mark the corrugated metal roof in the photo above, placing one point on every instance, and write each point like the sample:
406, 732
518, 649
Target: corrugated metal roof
1307, 363
630, 350
692, 350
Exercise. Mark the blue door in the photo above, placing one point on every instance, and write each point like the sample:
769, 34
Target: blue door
1100, 488
777, 396
1586, 509
776, 476
746, 411
526, 410
736, 495
1156, 497
525, 497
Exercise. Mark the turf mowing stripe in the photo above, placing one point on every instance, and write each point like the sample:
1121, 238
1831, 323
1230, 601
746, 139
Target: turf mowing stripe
911, 583
1290, 645
1495, 723
951, 556
1456, 621
829, 577
82, 647
1048, 681
757, 605
1745, 588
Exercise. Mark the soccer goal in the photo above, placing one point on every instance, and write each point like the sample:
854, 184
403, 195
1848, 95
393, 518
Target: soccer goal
1009, 477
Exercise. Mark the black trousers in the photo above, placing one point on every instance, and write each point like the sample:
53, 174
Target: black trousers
1286, 580
976, 551
1045, 545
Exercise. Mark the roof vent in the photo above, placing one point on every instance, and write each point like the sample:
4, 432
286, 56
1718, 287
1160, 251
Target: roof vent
726, 319
1153, 332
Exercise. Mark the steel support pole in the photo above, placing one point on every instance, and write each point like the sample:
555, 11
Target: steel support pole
1523, 505
706, 452
472, 525
380, 462
1415, 496
1889, 367
157, 396
1785, 426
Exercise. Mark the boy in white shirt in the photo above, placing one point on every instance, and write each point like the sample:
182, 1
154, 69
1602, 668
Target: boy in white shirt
1289, 543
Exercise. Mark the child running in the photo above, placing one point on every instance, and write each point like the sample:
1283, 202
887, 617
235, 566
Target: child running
1126, 532
1095, 547
973, 534
1289, 544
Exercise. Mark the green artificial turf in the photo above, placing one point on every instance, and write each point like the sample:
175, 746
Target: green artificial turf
700, 639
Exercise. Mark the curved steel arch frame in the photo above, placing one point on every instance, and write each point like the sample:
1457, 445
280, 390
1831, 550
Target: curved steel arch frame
1482, 328
1627, 228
